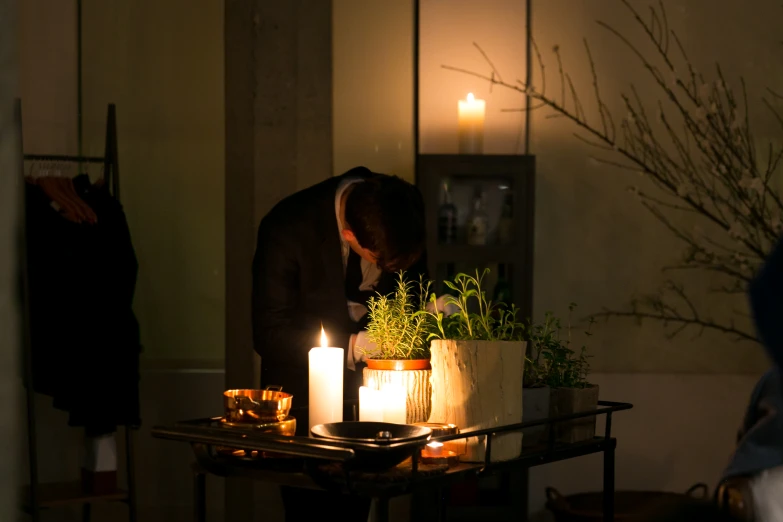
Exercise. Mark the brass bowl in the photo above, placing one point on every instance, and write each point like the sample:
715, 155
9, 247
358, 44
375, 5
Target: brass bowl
257, 406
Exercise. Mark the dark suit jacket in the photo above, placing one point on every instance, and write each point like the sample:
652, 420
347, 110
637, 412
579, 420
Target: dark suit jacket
299, 284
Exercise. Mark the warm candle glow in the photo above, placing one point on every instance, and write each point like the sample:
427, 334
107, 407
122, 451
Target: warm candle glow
471, 125
394, 403
434, 449
370, 404
324, 340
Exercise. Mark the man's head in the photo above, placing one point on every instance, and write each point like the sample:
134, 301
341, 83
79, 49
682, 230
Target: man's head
384, 222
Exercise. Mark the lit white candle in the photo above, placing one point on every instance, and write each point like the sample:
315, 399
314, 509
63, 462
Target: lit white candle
326, 383
394, 408
370, 404
471, 125
434, 449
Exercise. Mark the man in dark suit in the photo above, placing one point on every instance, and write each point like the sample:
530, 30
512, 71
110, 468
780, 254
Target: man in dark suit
321, 254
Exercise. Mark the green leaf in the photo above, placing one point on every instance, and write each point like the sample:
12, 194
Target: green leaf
451, 285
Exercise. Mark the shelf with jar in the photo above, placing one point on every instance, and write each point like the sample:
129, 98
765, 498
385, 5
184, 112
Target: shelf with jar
480, 214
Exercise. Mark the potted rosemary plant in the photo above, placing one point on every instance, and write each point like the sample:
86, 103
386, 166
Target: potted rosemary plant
478, 359
398, 329
571, 392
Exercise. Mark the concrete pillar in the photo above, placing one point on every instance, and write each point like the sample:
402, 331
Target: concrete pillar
278, 88
10, 197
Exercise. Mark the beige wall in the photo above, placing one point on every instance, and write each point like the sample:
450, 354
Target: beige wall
617, 249
162, 64
595, 245
47, 75
448, 30
372, 41
10, 312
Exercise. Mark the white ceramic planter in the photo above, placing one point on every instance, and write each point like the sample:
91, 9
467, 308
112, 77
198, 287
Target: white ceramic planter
477, 385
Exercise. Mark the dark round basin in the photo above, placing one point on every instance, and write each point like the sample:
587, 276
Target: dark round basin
371, 432
377, 445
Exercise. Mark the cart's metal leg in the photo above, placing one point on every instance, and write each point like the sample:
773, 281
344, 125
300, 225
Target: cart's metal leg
200, 497
86, 512
382, 509
609, 482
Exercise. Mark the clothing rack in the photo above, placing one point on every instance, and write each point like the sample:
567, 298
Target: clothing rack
66, 493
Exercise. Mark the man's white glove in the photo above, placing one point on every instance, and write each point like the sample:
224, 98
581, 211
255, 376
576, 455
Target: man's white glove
360, 346
442, 304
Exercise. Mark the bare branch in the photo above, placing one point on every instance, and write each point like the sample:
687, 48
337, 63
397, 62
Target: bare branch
698, 152
668, 319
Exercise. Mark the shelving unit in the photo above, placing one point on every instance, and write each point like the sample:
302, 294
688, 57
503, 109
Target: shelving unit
503, 174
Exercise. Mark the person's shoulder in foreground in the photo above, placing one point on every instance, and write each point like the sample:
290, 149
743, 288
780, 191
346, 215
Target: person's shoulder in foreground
766, 303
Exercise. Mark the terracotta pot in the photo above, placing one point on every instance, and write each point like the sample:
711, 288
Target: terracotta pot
398, 364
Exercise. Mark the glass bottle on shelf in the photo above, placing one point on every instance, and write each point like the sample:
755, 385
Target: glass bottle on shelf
478, 221
502, 291
506, 222
447, 217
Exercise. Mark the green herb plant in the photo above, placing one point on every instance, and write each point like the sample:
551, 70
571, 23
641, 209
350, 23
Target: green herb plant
558, 365
398, 323
541, 339
477, 318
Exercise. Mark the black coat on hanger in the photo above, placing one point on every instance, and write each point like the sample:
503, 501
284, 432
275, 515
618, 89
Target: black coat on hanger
84, 334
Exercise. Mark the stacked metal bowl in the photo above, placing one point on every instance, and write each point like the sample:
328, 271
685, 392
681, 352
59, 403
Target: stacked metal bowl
260, 411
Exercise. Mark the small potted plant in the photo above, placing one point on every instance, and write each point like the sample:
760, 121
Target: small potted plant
398, 329
570, 392
478, 359
536, 393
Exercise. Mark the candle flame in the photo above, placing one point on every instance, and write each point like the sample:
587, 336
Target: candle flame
435, 444
470, 97
324, 340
